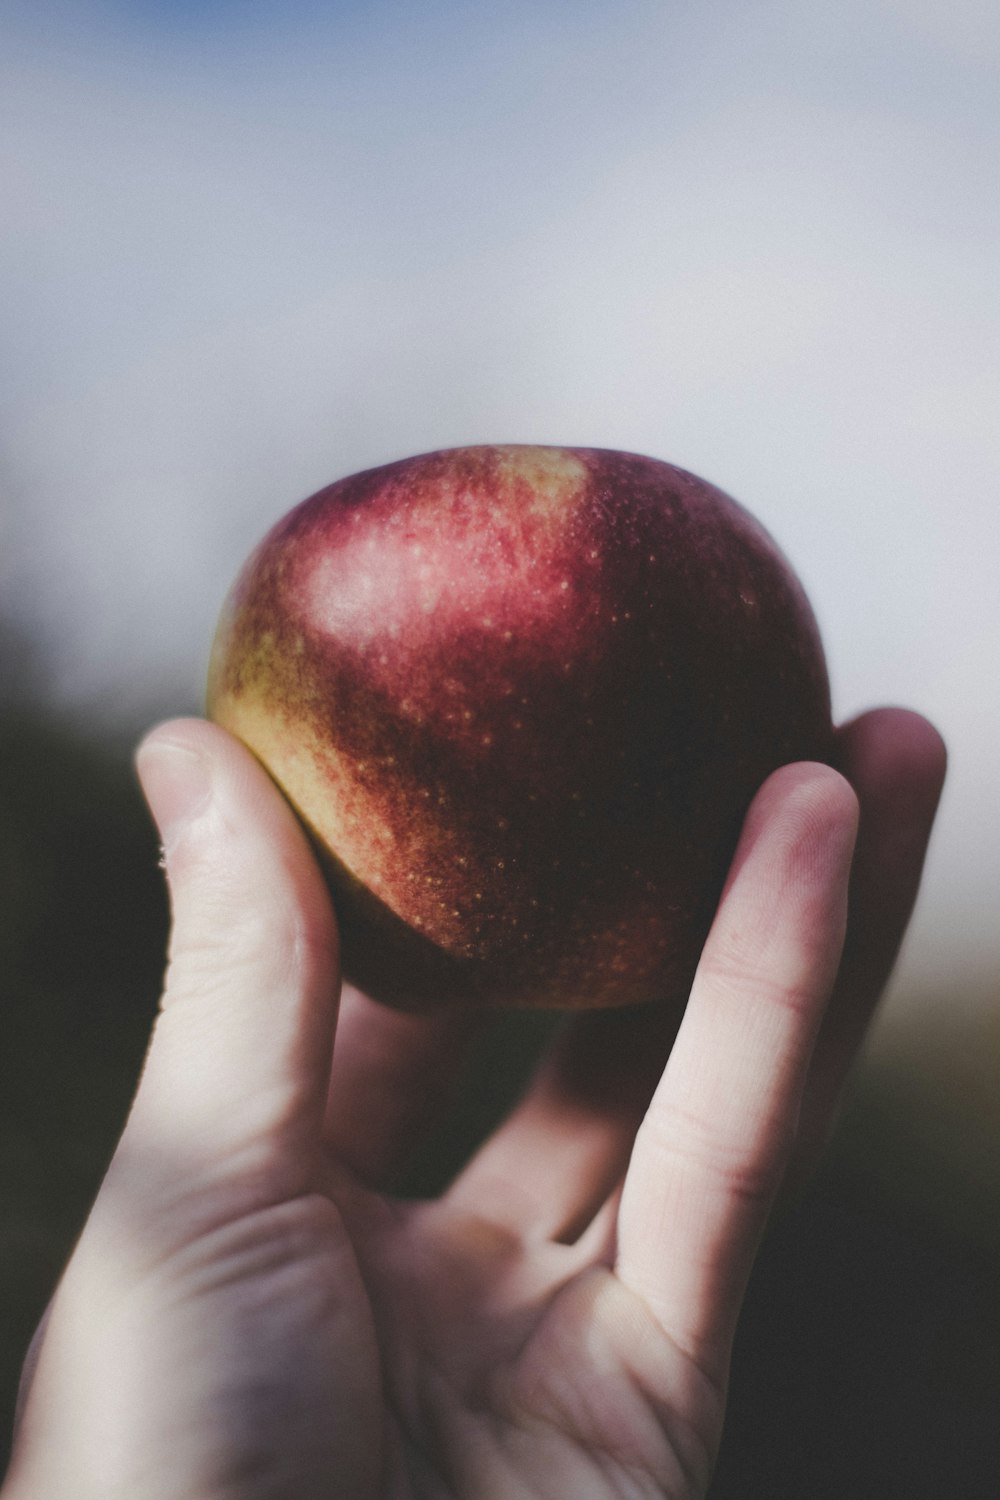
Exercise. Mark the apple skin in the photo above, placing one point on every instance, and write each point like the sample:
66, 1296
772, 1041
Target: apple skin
521, 697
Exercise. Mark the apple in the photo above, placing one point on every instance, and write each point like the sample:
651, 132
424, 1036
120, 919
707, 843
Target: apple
521, 698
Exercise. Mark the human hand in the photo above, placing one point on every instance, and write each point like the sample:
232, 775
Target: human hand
248, 1313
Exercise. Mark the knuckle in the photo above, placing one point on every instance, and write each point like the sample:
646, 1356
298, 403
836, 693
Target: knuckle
733, 974
746, 1164
225, 941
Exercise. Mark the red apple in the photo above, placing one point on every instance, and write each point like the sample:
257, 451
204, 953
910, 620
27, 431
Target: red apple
521, 697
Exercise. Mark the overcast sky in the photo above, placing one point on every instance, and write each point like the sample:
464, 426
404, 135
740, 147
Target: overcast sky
248, 248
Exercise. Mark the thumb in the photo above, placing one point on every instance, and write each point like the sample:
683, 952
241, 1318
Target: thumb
239, 1061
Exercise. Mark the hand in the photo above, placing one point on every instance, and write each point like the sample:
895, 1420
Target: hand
248, 1314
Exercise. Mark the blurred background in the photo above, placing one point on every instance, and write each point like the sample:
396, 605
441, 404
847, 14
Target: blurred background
250, 246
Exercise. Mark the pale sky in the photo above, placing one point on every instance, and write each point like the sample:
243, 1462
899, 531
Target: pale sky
246, 249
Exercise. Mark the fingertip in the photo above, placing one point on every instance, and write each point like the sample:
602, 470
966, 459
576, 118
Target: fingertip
894, 745
807, 789
188, 747
832, 802
825, 786
197, 738
176, 780
897, 762
194, 734
221, 815
806, 805
917, 737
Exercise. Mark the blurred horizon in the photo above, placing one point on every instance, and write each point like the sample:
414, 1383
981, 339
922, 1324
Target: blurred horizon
249, 248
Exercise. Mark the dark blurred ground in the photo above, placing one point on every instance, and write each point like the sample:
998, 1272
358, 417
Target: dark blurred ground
868, 1365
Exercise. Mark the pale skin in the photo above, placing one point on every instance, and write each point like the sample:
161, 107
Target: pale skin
249, 1315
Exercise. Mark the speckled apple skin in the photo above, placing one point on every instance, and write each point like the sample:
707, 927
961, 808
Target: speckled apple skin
521, 697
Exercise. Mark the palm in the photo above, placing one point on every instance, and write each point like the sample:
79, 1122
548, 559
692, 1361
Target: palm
511, 1369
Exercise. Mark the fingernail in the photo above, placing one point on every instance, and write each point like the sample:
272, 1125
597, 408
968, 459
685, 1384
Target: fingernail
177, 784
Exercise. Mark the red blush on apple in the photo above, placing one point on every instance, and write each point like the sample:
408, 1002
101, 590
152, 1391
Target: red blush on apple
521, 698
